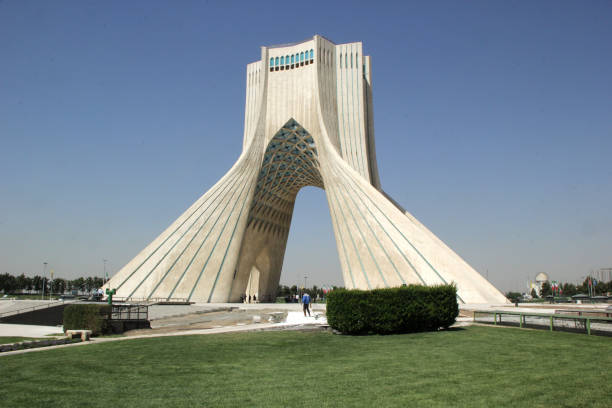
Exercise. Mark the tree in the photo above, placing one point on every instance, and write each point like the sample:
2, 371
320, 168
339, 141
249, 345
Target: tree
545, 290
569, 289
58, 285
601, 288
283, 291
98, 282
37, 283
7, 283
21, 283
513, 296
79, 284
534, 294
89, 284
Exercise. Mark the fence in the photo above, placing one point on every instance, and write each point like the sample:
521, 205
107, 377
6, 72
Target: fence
565, 322
130, 312
151, 301
586, 312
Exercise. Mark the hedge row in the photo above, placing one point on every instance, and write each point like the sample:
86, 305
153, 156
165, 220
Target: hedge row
396, 310
89, 317
23, 345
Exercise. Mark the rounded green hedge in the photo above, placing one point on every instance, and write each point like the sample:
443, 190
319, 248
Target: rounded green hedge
405, 309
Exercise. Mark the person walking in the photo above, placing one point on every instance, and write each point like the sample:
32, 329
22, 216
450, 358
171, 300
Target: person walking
306, 303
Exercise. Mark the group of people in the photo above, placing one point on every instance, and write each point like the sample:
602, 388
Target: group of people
306, 300
248, 299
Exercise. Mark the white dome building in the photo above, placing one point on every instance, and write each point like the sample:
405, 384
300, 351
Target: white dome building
539, 281
541, 278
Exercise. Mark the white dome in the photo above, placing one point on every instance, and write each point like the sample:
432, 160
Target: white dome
541, 277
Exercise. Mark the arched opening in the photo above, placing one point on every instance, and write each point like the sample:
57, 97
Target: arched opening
311, 245
290, 163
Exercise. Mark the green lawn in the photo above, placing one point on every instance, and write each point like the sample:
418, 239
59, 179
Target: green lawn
473, 367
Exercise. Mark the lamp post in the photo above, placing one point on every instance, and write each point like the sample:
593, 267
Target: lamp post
50, 283
43, 288
305, 277
104, 278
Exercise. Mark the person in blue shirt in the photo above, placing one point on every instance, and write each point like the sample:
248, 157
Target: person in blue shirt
306, 303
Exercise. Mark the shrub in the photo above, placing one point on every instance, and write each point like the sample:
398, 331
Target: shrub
395, 310
89, 317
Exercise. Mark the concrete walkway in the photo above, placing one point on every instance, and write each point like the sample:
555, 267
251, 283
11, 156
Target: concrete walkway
27, 330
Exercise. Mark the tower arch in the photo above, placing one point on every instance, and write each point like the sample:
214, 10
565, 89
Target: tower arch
290, 162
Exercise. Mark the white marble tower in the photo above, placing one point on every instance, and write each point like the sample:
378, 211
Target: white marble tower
308, 122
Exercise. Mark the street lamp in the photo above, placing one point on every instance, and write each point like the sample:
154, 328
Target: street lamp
305, 277
50, 283
104, 279
44, 273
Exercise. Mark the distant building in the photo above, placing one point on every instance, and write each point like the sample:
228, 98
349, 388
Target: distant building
539, 281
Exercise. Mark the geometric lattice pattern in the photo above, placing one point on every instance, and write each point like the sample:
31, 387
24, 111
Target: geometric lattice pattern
290, 163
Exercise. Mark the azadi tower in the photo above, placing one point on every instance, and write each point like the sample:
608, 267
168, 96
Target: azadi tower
308, 122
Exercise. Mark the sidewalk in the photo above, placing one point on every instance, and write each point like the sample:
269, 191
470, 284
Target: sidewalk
27, 330
295, 323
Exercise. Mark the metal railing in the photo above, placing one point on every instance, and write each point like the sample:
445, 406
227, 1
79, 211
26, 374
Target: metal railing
149, 300
566, 322
589, 312
130, 312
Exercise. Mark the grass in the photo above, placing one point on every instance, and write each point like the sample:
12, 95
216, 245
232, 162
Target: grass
473, 367
11, 340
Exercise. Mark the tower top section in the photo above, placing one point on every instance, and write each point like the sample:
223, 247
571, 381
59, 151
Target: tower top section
301, 42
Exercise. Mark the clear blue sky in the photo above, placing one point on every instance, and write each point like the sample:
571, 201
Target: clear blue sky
493, 126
